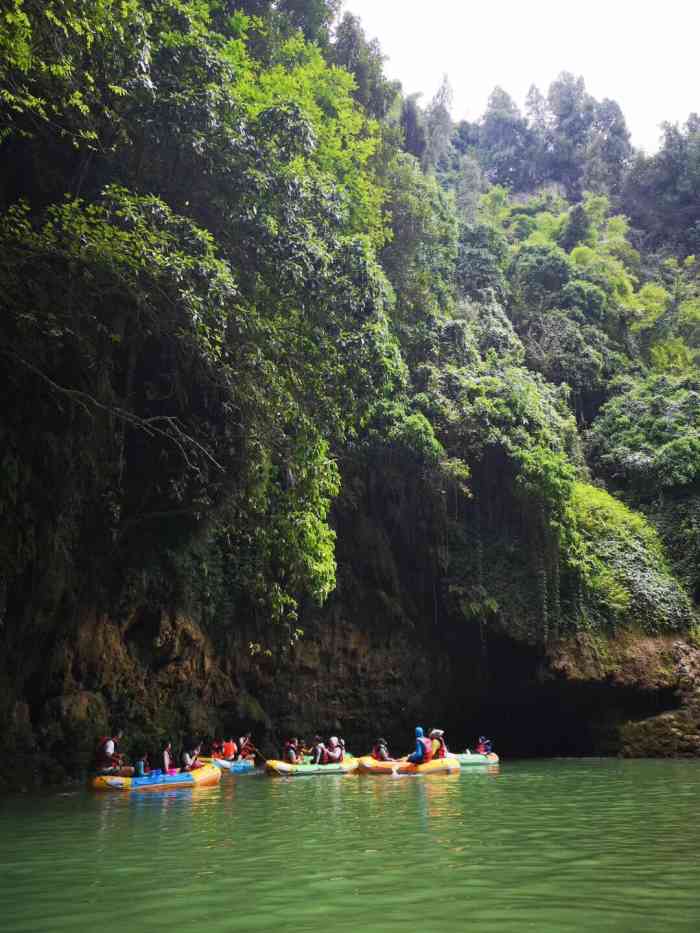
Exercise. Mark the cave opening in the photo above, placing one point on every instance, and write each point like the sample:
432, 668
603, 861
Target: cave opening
530, 712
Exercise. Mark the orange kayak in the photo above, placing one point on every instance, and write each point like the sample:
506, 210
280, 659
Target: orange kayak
369, 765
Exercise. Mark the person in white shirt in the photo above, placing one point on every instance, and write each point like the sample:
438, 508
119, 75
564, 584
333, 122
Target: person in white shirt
108, 759
190, 760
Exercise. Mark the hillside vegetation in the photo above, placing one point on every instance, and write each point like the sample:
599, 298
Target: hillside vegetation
275, 333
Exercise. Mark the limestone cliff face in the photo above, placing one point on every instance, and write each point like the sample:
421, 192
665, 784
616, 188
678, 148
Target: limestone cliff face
661, 670
161, 676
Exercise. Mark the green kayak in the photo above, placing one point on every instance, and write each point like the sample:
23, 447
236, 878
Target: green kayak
284, 768
473, 758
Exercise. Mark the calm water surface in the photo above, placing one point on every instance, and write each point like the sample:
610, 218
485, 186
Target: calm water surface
589, 845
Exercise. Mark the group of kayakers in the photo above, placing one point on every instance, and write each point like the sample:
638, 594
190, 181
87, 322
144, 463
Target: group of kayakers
332, 751
109, 760
318, 752
428, 747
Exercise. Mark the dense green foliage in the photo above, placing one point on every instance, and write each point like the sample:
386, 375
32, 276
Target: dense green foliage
257, 304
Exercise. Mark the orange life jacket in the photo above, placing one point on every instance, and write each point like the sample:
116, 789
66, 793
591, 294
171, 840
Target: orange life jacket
229, 750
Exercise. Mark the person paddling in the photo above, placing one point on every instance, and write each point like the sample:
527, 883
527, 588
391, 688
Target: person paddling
190, 760
380, 751
246, 749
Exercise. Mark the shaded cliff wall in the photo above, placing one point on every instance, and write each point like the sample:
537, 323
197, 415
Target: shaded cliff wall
162, 677
436, 619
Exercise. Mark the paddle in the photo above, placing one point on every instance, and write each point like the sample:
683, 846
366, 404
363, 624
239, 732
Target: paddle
258, 753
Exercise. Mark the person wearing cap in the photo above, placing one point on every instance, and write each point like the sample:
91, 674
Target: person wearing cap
334, 751
380, 752
424, 749
437, 737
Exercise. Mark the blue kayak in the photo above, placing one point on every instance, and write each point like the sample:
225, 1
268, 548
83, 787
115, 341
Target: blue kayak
205, 776
235, 767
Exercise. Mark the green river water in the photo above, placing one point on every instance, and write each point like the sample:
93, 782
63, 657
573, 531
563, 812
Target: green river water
585, 845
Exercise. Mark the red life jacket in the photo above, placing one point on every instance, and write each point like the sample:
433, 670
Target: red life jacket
427, 749
442, 750
481, 749
323, 760
229, 750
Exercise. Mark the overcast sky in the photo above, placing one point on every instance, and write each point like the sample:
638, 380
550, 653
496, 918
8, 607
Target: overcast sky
642, 54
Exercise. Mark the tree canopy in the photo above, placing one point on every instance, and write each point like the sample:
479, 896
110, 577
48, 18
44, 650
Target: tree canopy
261, 308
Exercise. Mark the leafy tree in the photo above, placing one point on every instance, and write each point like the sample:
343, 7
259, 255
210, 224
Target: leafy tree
662, 192
420, 257
577, 229
609, 150
413, 127
480, 266
572, 117
506, 142
313, 17
365, 61
539, 273
438, 127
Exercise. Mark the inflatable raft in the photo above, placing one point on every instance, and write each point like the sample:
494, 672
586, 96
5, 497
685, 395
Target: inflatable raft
474, 758
369, 765
236, 767
205, 776
275, 767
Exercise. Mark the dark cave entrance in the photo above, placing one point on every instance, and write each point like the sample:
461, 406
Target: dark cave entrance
529, 712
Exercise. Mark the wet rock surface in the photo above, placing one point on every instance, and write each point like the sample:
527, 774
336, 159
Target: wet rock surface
161, 676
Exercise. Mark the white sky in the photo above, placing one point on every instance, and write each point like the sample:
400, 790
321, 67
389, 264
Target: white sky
642, 54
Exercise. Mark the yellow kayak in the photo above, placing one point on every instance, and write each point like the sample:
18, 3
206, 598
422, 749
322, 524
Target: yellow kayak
205, 776
369, 765
275, 767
